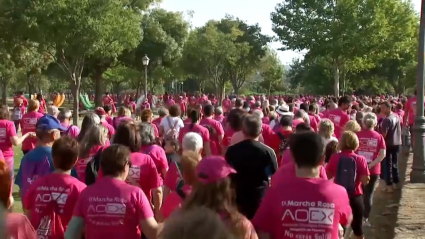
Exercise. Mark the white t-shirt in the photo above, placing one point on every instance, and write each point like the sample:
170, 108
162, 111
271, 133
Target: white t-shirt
329, 140
164, 123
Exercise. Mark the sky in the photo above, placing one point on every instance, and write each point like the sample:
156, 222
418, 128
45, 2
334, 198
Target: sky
252, 11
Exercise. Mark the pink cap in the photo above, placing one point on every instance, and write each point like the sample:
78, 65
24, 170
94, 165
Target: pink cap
212, 169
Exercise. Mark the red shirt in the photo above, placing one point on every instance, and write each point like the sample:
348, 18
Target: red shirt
370, 143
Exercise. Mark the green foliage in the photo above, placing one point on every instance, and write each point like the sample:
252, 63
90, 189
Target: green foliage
369, 46
347, 33
70, 31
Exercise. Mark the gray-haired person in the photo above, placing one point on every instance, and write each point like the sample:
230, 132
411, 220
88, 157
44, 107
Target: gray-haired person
149, 147
64, 118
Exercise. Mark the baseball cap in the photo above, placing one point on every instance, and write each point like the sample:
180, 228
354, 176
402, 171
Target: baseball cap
212, 169
100, 111
48, 122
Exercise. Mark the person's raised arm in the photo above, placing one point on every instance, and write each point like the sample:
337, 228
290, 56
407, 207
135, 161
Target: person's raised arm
15, 140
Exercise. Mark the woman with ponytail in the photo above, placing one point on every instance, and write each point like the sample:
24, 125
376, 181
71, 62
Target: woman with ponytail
195, 127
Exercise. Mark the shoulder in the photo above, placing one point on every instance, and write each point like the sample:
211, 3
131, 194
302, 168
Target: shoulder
16, 220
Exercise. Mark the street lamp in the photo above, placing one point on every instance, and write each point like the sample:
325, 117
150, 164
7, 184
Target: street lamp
417, 175
145, 61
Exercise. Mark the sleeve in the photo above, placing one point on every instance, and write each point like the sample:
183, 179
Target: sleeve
181, 124
160, 154
264, 214
272, 164
11, 130
170, 176
206, 135
363, 167
154, 177
219, 129
143, 207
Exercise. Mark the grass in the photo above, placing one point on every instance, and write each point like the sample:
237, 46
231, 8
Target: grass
17, 206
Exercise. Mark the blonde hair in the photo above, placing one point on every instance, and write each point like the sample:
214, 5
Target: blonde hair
124, 111
370, 120
96, 135
348, 141
33, 105
326, 128
189, 161
197, 222
353, 126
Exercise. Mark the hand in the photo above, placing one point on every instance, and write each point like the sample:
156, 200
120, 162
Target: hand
31, 134
370, 165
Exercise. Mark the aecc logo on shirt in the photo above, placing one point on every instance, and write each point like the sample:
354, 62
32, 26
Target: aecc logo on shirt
311, 215
109, 208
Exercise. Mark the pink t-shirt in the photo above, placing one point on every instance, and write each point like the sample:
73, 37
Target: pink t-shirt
362, 168
218, 131
63, 188
109, 119
219, 118
411, 110
201, 130
158, 156
303, 208
339, 118
74, 131
287, 171
173, 177
81, 164
314, 123
370, 143
28, 122
286, 157
173, 201
115, 212
296, 122
7, 130
143, 171
19, 227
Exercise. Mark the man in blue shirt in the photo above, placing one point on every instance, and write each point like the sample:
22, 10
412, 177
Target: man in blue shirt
38, 162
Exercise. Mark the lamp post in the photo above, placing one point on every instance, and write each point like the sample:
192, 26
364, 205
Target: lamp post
145, 61
417, 175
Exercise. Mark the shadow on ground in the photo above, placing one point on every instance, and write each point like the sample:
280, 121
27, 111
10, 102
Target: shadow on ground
385, 207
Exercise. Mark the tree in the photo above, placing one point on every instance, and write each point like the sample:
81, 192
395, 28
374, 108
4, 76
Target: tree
250, 48
272, 72
74, 30
348, 33
208, 52
164, 36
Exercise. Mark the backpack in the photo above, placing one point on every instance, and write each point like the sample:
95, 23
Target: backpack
172, 133
17, 114
346, 174
180, 183
283, 143
50, 224
92, 169
67, 131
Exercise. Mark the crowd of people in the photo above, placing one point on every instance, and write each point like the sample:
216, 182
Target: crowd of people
255, 167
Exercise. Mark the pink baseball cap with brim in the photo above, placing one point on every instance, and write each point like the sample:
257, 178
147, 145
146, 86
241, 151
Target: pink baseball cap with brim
212, 169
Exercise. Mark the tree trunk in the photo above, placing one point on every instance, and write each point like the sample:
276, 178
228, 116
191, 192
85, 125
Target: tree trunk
75, 89
336, 80
4, 84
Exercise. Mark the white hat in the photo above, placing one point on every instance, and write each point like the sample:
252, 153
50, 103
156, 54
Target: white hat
284, 110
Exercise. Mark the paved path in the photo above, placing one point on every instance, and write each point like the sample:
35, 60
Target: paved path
411, 214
